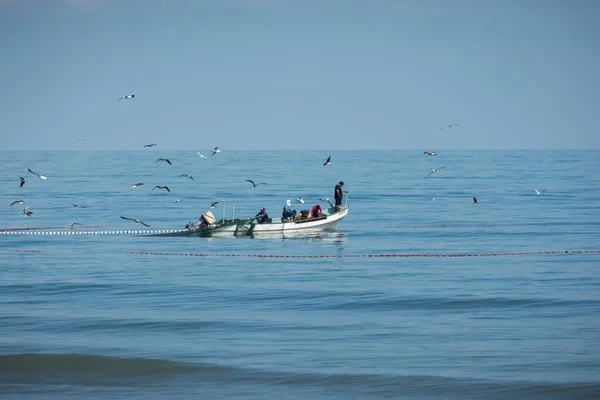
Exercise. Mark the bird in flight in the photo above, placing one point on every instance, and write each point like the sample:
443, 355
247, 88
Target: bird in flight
201, 155
27, 212
150, 145
430, 153
213, 204
448, 126
38, 175
255, 184
162, 187
434, 170
84, 141
176, 201
539, 191
328, 161
73, 224
163, 159
475, 201
137, 184
127, 97
188, 176
327, 200
17, 202
300, 200
136, 220
215, 151
77, 205
23, 180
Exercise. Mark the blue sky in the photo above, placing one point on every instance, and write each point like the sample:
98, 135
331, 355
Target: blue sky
282, 74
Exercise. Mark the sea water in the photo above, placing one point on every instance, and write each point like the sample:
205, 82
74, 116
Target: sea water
377, 309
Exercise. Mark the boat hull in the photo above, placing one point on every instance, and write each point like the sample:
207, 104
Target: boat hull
241, 228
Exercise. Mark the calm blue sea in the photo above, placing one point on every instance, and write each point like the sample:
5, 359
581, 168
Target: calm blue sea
82, 317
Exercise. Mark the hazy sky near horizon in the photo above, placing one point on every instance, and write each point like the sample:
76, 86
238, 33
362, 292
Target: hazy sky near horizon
304, 74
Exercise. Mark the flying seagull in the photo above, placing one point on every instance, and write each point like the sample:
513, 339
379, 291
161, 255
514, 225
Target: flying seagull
23, 180
137, 184
136, 220
77, 205
176, 201
300, 200
73, 224
162, 187
539, 191
213, 204
17, 202
215, 151
188, 176
127, 97
434, 170
38, 175
84, 141
327, 200
448, 126
255, 184
27, 212
430, 153
328, 161
163, 159
475, 201
201, 155
150, 145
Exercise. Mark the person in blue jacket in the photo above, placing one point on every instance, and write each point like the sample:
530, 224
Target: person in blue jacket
262, 217
287, 213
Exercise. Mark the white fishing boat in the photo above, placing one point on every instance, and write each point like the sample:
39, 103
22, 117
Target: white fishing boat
328, 221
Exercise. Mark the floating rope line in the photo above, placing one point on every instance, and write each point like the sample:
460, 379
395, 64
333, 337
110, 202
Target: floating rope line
57, 227
74, 232
381, 255
20, 251
443, 226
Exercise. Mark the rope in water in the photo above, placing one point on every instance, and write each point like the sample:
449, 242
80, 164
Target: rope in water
380, 255
77, 232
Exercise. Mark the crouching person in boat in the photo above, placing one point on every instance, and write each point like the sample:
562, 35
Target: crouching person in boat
288, 214
316, 211
262, 217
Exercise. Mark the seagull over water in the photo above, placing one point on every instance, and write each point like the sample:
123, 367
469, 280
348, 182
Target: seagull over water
73, 224
162, 187
448, 126
300, 200
434, 170
213, 204
328, 162
27, 212
539, 191
38, 175
215, 151
137, 184
255, 184
77, 205
150, 145
201, 155
136, 220
187, 176
430, 153
475, 201
84, 141
127, 97
23, 180
17, 202
327, 200
163, 159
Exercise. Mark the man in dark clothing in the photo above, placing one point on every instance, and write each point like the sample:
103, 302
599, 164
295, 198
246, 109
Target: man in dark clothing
339, 194
261, 217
